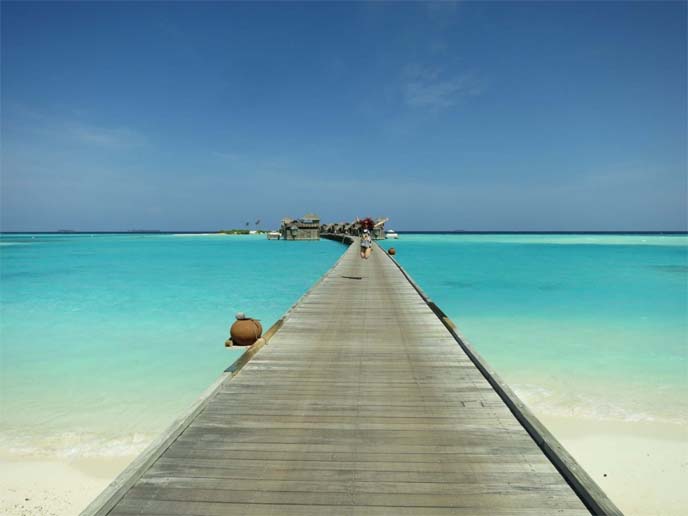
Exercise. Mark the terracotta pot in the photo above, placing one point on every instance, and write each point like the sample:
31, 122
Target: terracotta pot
392, 251
245, 332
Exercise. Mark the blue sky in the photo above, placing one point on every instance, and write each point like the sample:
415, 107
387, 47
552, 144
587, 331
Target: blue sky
474, 116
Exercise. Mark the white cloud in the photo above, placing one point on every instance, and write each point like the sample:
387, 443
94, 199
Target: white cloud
21, 121
105, 136
429, 88
227, 156
252, 163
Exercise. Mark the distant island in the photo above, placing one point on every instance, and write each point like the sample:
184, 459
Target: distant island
242, 232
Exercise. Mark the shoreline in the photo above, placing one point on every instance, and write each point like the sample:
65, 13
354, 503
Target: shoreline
642, 466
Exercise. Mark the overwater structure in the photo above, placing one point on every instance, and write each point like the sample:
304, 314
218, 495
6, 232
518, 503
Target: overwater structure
305, 228
364, 399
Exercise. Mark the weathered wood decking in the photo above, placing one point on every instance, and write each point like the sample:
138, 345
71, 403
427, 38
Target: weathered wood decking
361, 404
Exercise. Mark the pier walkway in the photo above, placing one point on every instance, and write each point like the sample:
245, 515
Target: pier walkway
363, 403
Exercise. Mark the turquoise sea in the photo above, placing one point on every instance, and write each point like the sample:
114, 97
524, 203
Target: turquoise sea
592, 326
105, 339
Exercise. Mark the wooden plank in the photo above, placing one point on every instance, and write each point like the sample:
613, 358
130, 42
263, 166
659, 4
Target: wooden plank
494, 465
368, 450
323, 486
523, 499
505, 455
144, 506
471, 474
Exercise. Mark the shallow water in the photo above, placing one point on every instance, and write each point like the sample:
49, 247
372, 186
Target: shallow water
588, 325
105, 339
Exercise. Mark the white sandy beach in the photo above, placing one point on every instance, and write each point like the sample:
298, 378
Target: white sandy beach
41, 487
643, 467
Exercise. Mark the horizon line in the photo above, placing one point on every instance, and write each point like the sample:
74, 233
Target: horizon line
404, 231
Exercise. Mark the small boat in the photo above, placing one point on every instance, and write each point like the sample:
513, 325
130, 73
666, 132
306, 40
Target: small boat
390, 233
274, 235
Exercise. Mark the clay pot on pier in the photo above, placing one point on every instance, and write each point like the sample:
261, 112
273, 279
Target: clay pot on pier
245, 331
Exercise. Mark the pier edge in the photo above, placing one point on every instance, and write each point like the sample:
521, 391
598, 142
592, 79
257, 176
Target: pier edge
590, 493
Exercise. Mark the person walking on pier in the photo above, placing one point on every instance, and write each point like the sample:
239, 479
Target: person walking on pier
366, 244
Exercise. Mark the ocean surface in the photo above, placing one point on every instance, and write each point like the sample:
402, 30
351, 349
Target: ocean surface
591, 326
105, 339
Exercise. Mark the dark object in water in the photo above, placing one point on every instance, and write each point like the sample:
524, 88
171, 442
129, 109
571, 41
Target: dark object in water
245, 331
392, 251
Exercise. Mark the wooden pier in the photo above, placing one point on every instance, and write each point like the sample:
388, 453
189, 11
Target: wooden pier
364, 401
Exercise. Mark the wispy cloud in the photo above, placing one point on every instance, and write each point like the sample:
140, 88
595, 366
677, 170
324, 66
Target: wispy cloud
25, 123
441, 13
431, 89
21, 122
104, 136
227, 156
251, 163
